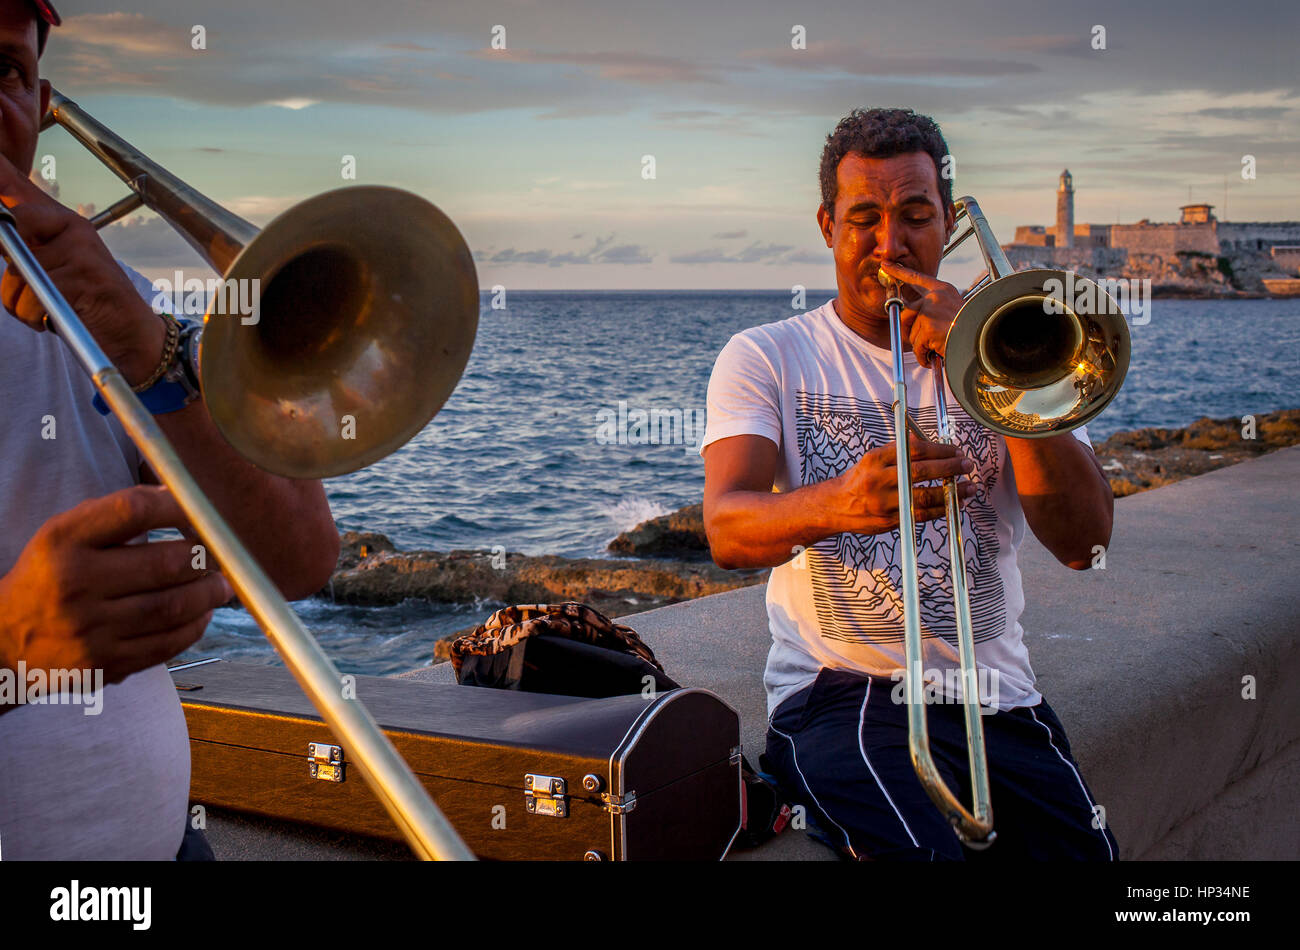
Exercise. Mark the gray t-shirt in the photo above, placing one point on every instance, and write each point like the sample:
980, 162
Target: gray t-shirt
77, 786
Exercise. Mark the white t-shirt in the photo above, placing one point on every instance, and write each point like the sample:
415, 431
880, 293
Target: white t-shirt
824, 396
73, 786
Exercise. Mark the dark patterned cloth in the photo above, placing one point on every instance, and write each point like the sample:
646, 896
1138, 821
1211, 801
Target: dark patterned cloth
510, 626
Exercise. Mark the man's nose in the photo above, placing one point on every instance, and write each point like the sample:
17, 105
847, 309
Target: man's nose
889, 239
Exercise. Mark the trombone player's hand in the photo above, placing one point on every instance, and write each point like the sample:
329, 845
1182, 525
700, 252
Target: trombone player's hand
81, 596
81, 266
865, 497
929, 309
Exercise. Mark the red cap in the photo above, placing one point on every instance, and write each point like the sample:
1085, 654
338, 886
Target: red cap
46, 11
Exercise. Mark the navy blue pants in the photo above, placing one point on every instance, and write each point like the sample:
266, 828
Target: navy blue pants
839, 747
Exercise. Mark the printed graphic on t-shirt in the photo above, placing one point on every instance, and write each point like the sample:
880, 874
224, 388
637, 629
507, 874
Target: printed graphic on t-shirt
857, 579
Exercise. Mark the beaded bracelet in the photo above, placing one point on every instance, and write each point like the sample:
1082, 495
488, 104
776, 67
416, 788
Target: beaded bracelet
169, 353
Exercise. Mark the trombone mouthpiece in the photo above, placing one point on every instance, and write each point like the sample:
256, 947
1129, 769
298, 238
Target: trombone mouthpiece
891, 287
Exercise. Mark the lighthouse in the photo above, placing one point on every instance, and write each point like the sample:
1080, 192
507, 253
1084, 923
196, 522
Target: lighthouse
1065, 211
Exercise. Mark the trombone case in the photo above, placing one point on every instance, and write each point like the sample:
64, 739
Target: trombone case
521, 776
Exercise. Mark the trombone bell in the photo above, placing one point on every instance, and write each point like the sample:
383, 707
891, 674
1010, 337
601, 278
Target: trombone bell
368, 312
1026, 363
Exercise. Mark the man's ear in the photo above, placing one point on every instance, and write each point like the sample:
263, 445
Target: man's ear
826, 222
949, 221
45, 97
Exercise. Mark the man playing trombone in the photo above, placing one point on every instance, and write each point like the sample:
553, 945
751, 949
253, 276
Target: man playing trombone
804, 406
75, 591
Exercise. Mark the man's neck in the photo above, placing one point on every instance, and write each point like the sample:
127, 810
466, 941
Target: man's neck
873, 329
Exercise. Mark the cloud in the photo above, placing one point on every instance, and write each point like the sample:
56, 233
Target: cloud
712, 255
1245, 114
755, 253
1078, 44
602, 251
128, 34
262, 207
860, 60
625, 254
622, 65
294, 104
729, 235
151, 243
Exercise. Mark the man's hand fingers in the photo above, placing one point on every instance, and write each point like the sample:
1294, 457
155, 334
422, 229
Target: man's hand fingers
924, 470
117, 518
918, 449
141, 615
905, 275
140, 568
932, 497
38, 216
28, 308
142, 653
920, 515
12, 286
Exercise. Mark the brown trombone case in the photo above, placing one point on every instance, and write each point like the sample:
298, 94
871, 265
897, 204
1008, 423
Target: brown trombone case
521, 776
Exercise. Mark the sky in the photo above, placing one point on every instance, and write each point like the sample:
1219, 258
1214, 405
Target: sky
537, 151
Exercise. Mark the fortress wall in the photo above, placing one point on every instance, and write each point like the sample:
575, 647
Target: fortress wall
1084, 260
1165, 240
1287, 261
1258, 235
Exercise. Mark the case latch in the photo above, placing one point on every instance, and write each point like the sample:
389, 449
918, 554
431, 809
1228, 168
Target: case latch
546, 795
325, 762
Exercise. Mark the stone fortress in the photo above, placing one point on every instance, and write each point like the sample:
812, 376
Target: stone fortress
1198, 255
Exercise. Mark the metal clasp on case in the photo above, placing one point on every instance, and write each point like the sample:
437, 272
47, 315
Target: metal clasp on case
325, 762
546, 795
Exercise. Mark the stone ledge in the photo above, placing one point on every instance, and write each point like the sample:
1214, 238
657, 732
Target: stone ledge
1143, 661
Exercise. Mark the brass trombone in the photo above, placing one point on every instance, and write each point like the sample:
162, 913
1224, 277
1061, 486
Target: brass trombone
1028, 360
368, 311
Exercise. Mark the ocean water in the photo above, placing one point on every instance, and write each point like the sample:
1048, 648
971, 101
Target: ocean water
521, 455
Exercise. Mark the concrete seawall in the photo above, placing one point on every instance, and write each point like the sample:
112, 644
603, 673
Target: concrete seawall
1143, 661
1147, 663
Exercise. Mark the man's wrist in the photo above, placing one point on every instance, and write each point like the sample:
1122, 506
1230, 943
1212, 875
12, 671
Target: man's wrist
822, 508
141, 358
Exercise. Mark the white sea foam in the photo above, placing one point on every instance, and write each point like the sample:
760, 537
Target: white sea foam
631, 511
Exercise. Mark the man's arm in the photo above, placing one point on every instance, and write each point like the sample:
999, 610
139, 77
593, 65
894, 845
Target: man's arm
750, 526
1064, 493
286, 524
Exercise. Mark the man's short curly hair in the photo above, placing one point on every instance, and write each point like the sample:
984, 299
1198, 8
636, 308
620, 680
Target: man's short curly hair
882, 133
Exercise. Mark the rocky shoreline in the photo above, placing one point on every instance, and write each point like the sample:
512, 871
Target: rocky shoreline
1134, 461
666, 559
372, 572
